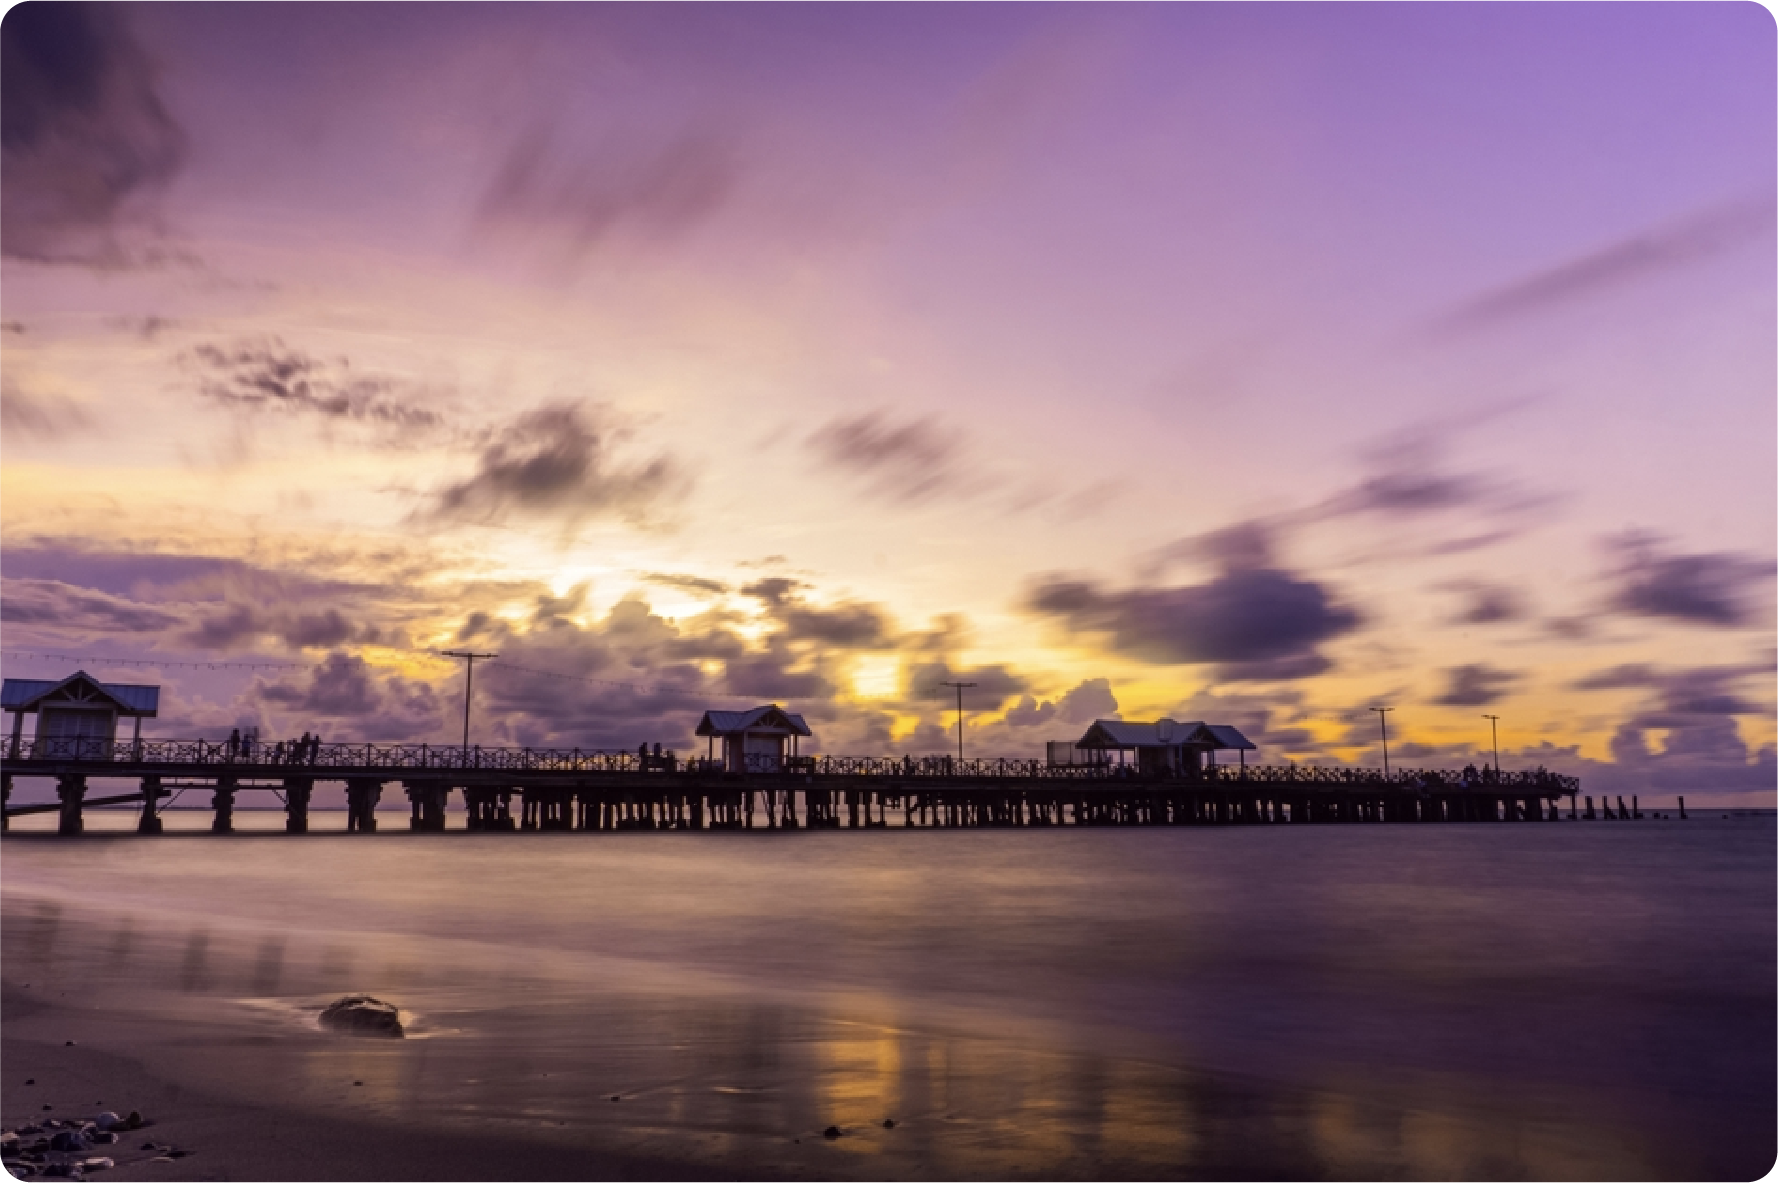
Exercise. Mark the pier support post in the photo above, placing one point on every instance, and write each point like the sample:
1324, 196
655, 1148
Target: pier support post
5, 799
296, 804
362, 796
151, 799
72, 791
222, 800
1682, 816
427, 801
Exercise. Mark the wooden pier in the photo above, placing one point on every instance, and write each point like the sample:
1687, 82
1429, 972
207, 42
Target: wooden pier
561, 789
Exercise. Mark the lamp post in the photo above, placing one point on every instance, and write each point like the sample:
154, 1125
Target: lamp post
960, 687
468, 685
1383, 722
1494, 726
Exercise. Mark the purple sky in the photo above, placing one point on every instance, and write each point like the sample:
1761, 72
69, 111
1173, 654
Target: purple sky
1254, 363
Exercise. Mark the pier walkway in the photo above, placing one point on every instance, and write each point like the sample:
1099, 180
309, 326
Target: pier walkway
576, 789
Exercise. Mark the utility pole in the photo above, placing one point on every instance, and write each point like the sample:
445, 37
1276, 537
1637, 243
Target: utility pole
1494, 726
1383, 722
468, 685
960, 687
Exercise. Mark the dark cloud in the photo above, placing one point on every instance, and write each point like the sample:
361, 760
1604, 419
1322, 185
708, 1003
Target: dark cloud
241, 624
1487, 603
85, 140
847, 626
1719, 589
994, 684
1242, 616
774, 590
1619, 677
356, 700
691, 583
62, 605
270, 376
556, 463
43, 416
1630, 260
908, 462
1284, 668
1475, 685
1028, 712
1090, 700
540, 192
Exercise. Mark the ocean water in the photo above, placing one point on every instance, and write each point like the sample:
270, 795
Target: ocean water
1573, 1000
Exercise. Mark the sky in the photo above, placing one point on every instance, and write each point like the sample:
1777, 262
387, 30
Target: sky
1257, 364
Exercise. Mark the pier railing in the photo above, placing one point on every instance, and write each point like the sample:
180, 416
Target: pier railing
297, 758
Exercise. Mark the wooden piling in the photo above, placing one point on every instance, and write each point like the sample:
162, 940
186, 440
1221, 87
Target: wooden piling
222, 800
150, 821
297, 791
72, 792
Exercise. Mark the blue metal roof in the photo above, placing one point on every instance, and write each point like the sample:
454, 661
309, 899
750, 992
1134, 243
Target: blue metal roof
1164, 733
131, 700
766, 720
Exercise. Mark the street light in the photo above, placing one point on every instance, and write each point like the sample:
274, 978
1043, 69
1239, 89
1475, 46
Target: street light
1383, 722
960, 687
1494, 726
468, 684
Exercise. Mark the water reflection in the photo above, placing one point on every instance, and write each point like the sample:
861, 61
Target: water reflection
1365, 1009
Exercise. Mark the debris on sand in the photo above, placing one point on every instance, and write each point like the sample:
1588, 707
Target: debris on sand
361, 1014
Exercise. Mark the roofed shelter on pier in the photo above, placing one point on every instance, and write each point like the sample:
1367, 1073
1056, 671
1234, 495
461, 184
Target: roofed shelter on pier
1165, 746
753, 741
79, 709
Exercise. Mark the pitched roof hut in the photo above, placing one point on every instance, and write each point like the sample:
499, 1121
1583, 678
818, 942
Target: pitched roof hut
78, 709
1165, 746
753, 741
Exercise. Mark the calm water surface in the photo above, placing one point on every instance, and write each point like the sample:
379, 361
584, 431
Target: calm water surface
1567, 1001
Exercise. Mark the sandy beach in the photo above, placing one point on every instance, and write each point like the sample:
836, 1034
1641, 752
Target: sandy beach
237, 1137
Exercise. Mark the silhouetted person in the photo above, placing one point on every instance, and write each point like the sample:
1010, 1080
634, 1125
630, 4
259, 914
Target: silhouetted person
234, 743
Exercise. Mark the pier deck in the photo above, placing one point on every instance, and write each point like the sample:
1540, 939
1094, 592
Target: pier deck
576, 789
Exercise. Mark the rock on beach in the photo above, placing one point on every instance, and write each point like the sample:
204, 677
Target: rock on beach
363, 1015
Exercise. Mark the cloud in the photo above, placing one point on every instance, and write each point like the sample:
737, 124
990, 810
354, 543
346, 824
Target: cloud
62, 605
1628, 261
994, 684
1720, 589
1090, 700
1486, 603
1028, 712
543, 193
241, 624
1676, 695
850, 625
695, 584
1243, 616
270, 376
35, 415
357, 700
907, 462
85, 141
1475, 685
554, 462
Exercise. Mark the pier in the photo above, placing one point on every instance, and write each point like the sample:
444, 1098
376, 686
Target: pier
553, 789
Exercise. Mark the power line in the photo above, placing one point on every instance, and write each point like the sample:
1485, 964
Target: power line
147, 663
